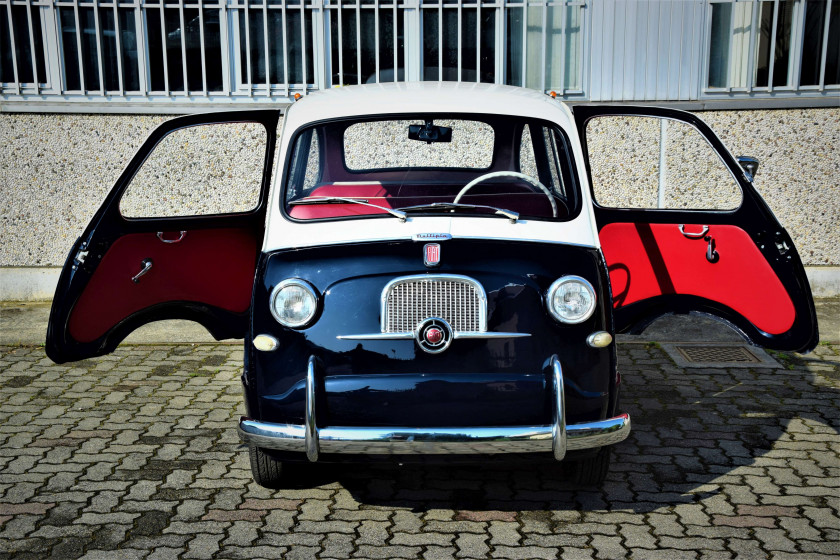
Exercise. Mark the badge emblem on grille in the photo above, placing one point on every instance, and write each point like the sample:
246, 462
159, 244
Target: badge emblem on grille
434, 335
431, 254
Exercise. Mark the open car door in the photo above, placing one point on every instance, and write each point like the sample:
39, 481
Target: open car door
177, 237
683, 229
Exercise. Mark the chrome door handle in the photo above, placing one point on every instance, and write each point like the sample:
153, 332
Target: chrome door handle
180, 238
693, 235
147, 266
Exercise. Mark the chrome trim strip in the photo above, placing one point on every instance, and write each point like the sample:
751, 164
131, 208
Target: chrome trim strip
377, 336
556, 438
482, 295
457, 335
558, 431
490, 334
311, 427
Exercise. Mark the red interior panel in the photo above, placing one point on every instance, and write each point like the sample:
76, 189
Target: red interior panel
214, 267
520, 199
647, 260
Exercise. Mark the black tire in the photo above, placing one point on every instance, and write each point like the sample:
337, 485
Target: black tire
592, 471
267, 470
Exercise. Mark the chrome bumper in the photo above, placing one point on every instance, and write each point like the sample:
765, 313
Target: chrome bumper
556, 438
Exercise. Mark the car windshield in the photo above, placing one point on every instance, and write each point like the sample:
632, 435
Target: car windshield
498, 166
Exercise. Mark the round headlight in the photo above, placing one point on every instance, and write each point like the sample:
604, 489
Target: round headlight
571, 299
294, 303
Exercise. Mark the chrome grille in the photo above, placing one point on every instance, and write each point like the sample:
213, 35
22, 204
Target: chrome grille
458, 300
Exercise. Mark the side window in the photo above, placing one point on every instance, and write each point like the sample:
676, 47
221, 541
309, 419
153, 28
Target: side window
305, 165
651, 162
527, 160
199, 170
544, 157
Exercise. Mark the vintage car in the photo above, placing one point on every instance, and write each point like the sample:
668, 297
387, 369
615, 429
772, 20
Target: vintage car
437, 270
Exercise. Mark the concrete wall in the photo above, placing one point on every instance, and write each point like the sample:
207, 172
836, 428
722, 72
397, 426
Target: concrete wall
56, 169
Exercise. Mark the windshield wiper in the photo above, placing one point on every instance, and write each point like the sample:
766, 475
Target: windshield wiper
509, 214
343, 200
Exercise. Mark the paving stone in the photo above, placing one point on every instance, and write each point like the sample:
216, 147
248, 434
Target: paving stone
721, 463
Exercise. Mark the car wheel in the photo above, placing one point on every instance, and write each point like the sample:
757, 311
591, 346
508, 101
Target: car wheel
592, 471
267, 470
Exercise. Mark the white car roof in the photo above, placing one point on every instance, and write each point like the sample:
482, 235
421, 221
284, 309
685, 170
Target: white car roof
425, 97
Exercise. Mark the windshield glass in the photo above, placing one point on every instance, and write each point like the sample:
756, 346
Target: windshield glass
427, 163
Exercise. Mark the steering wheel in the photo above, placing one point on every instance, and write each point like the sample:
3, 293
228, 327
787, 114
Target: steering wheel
522, 176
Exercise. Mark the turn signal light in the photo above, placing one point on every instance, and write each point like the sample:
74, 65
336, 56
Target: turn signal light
599, 339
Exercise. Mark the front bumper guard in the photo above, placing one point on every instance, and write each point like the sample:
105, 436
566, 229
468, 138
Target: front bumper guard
556, 438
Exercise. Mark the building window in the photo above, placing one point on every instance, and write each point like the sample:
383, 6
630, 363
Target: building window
21, 45
766, 46
234, 50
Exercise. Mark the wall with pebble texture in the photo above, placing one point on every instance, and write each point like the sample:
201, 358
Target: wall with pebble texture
55, 170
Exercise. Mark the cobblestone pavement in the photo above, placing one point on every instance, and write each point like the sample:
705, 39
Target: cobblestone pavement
135, 455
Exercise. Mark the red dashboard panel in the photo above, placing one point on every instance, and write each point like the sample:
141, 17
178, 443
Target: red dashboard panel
213, 267
648, 260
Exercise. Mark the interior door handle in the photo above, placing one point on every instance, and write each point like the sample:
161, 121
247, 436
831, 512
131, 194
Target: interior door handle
693, 235
180, 238
147, 266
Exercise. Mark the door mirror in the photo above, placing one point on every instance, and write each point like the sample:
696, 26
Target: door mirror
750, 165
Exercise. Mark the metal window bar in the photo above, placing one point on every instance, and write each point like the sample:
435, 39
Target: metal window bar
376, 38
163, 47
184, 80
440, 40
97, 30
202, 49
302, 45
82, 84
824, 54
358, 42
395, 29
14, 47
144, 82
118, 38
35, 80
460, 41
285, 47
267, 62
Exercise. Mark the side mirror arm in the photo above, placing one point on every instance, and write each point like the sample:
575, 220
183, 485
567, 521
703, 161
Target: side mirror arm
750, 165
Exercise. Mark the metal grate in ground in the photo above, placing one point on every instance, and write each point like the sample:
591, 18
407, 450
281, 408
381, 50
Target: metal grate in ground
719, 355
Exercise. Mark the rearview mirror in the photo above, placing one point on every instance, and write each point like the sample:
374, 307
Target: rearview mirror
750, 165
429, 133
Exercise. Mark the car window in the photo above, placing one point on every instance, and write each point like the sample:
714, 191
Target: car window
657, 163
471, 146
405, 162
200, 170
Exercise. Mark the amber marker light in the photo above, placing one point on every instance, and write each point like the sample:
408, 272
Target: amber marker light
297, 96
265, 342
553, 94
599, 339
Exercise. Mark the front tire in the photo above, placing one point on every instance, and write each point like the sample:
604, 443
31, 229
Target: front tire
267, 470
592, 471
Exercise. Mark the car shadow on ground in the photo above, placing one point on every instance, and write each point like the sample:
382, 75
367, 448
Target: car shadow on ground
696, 433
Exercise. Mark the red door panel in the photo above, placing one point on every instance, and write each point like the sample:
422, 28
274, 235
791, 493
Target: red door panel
647, 260
214, 267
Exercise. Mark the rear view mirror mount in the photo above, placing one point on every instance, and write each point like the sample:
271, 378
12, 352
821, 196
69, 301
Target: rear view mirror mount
429, 133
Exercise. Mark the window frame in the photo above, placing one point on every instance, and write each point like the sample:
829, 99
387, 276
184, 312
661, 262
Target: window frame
570, 177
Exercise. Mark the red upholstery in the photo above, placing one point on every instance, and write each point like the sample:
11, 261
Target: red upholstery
215, 267
514, 197
647, 260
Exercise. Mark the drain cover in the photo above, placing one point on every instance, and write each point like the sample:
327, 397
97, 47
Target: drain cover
699, 354
719, 355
